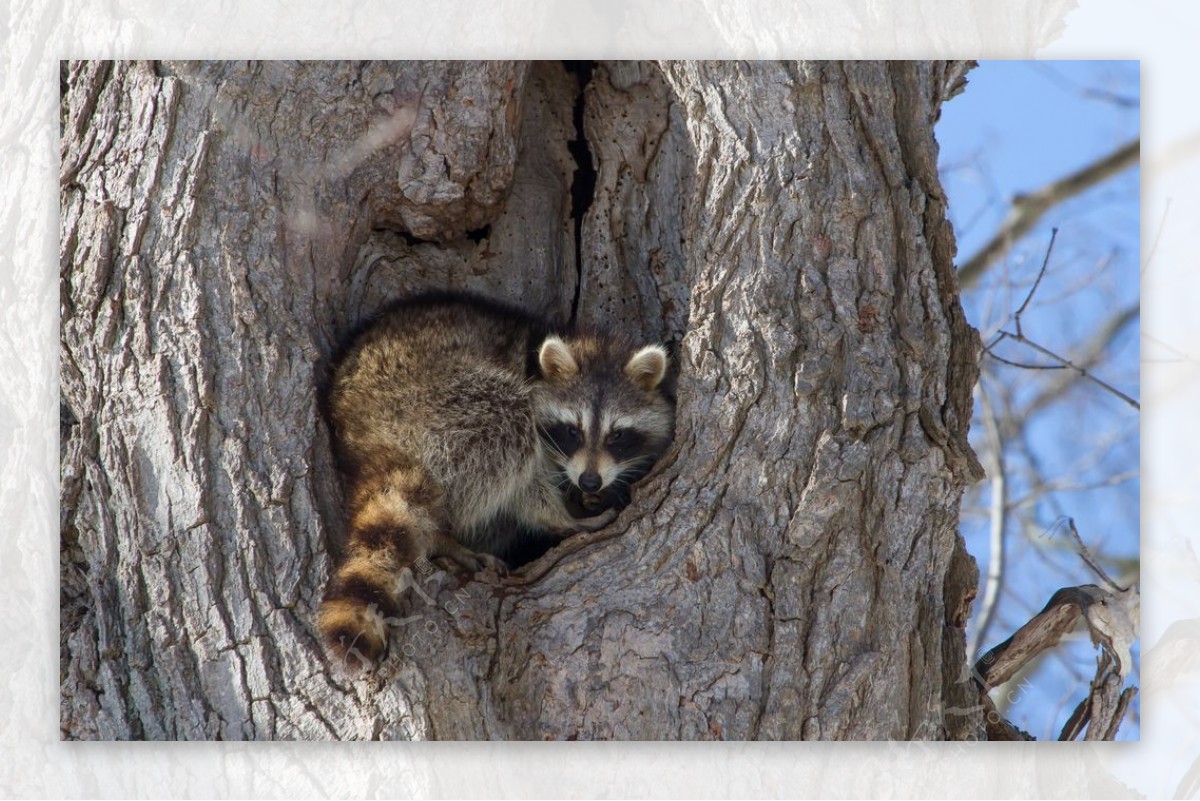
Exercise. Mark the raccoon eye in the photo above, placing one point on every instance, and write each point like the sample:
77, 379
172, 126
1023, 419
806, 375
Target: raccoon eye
623, 442
563, 436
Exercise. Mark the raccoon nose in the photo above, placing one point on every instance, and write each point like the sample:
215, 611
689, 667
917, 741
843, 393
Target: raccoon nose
589, 482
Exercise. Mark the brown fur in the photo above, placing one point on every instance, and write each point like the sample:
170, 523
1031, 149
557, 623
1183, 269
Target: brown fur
439, 412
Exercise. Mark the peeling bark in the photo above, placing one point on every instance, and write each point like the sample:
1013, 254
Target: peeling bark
793, 568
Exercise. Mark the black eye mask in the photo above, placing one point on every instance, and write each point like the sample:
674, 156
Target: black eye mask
624, 443
563, 437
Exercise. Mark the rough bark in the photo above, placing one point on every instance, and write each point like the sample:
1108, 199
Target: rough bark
792, 570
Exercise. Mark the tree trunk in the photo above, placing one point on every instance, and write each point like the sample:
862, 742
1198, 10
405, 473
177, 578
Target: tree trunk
793, 568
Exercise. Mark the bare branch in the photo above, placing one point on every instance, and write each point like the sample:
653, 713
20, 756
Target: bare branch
1095, 350
1037, 281
995, 574
1058, 617
1083, 372
1106, 703
1103, 697
1064, 485
1019, 336
1087, 557
1028, 210
1119, 715
1025, 365
1079, 718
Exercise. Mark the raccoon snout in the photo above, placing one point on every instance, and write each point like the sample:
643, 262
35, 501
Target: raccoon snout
590, 482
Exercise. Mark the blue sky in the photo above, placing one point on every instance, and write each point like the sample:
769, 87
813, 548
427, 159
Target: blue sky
1019, 126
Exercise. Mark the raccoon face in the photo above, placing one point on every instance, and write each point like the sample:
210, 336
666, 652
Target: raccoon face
603, 416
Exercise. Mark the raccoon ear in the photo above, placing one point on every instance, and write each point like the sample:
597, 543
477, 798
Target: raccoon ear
647, 367
556, 360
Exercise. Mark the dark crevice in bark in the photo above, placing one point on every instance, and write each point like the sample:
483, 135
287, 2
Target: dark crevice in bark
385, 227
413, 241
479, 234
67, 421
583, 182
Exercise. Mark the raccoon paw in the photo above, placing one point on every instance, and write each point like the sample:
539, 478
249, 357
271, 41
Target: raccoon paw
482, 563
599, 521
492, 563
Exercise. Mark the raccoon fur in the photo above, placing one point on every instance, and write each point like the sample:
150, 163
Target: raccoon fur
463, 428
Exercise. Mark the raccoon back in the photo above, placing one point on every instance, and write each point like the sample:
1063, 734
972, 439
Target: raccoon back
441, 380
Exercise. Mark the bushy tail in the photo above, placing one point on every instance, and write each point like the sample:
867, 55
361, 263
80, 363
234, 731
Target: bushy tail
394, 517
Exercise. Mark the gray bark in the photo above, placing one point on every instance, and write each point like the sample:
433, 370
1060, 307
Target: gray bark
792, 569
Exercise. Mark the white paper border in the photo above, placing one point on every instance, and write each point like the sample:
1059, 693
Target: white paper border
36, 763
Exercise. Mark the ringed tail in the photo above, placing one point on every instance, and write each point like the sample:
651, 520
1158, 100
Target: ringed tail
391, 515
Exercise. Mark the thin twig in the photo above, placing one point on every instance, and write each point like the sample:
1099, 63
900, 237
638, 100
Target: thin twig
1082, 371
1067, 363
1035, 494
1038, 280
1091, 356
1019, 336
1087, 557
996, 340
1025, 366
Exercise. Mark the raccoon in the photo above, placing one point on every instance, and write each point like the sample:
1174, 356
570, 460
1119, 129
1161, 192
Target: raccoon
464, 428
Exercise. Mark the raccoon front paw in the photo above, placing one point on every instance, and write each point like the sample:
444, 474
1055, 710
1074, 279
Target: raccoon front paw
598, 522
572, 518
481, 563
